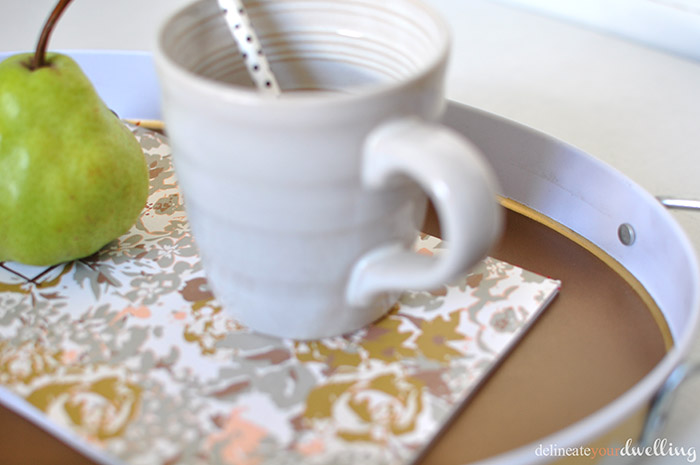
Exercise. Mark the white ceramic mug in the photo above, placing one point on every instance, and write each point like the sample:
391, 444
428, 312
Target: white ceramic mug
305, 206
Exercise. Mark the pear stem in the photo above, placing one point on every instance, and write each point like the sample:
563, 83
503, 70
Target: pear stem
40, 53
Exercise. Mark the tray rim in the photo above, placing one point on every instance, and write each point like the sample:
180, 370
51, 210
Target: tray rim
619, 269
623, 411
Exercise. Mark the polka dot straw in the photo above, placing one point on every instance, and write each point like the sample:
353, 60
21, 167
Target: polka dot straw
249, 46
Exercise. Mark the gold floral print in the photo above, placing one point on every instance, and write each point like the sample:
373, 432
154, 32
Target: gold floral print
435, 335
385, 342
379, 408
25, 362
100, 409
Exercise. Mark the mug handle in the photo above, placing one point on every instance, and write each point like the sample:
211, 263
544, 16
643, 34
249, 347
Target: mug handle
461, 185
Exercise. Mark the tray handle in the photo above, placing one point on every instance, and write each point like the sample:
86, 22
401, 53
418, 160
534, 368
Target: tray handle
674, 203
663, 400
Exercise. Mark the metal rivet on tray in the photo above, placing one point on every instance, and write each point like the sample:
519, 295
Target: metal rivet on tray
626, 234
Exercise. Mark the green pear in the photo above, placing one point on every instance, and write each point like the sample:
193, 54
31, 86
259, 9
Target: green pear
72, 176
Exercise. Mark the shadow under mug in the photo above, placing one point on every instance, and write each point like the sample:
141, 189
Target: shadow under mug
305, 206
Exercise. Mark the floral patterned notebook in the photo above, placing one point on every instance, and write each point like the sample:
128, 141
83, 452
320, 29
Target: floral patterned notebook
127, 356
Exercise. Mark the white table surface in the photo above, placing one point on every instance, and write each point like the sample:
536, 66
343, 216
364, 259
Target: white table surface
636, 108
